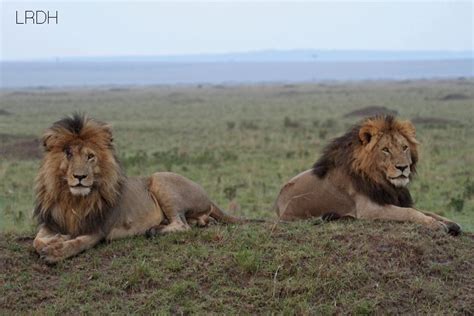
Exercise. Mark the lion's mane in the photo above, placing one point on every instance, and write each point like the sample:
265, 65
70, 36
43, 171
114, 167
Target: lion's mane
56, 207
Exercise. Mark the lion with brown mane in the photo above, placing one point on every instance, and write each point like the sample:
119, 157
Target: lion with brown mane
362, 174
83, 196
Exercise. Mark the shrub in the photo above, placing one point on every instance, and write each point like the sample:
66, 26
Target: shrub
230, 125
322, 133
287, 122
457, 203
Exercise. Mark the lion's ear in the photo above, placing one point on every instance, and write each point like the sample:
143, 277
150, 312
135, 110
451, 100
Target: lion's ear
47, 140
108, 131
408, 130
366, 133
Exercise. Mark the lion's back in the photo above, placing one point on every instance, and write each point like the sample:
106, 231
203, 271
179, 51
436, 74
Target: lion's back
307, 195
179, 191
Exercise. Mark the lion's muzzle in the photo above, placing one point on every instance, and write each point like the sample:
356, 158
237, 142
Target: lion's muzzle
80, 190
401, 176
80, 184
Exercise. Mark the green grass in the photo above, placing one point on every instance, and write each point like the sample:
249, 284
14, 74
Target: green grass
358, 267
242, 143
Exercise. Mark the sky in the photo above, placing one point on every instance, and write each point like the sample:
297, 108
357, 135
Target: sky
126, 28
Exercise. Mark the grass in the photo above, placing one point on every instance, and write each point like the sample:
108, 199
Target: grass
359, 268
242, 143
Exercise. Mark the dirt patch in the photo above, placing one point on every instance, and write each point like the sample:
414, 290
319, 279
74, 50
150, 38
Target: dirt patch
371, 111
22, 148
5, 112
434, 121
454, 96
5, 138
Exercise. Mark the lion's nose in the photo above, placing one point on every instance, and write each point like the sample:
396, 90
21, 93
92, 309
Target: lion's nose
401, 167
80, 176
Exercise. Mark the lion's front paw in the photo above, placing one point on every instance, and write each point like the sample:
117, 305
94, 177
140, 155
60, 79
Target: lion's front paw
452, 228
40, 243
53, 252
59, 238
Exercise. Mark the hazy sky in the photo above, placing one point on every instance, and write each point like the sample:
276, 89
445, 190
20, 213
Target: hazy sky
110, 28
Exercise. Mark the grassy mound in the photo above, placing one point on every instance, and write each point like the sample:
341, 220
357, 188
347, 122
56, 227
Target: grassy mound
342, 267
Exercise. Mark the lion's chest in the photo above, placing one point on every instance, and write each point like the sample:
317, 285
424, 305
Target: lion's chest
74, 221
67, 219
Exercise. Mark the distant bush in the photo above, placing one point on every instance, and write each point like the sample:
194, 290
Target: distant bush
290, 154
228, 156
329, 123
468, 188
322, 133
230, 191
230, 125
287, 122
248, 125
457, 203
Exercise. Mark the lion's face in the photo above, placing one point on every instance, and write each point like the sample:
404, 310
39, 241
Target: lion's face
388, 151
79, 158
393, 157
79, 178
81, 167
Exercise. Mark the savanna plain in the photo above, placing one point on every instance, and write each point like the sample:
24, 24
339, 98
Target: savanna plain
241, 143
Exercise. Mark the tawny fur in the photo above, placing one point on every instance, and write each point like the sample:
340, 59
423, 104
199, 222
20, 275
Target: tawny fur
362, 174
83, 197
76, 215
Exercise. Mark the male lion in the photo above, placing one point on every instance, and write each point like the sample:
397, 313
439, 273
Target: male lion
362, 174
82, 196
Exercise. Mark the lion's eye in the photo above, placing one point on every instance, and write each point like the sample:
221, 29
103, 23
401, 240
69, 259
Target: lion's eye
68, 153
385, 150
405, 147
90, 156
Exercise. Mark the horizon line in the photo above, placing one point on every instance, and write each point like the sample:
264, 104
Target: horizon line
465, 54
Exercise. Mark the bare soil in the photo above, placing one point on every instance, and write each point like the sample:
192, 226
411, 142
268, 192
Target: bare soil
19, 147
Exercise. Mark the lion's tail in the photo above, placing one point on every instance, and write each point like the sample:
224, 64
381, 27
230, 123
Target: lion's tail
221, 216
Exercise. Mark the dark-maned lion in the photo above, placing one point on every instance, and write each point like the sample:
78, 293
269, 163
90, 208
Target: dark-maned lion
83, 197
362, 174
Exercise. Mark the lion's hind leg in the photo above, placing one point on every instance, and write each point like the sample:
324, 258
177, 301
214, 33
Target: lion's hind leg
202, 221
174, 211
173, 226
177, 222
